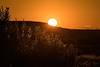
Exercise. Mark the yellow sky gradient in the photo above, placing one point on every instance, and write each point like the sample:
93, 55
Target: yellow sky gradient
69, 13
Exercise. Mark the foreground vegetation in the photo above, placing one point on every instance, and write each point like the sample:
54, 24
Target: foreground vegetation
28, 44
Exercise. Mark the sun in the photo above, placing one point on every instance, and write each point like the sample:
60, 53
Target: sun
52, 22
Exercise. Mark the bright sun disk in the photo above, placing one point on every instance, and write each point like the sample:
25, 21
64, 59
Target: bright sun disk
52, 22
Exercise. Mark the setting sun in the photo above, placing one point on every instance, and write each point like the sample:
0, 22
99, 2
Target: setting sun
52, 22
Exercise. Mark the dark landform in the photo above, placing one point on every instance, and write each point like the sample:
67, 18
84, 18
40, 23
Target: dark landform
36, 44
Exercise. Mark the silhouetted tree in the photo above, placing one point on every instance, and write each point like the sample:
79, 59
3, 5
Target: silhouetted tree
4, 14
4, 18
4, 34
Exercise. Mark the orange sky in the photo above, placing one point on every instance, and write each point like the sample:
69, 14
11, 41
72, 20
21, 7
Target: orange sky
69, 13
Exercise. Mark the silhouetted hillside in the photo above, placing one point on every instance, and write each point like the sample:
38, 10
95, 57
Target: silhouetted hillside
38, 44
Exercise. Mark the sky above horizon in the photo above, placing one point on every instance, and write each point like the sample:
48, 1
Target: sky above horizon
69, 13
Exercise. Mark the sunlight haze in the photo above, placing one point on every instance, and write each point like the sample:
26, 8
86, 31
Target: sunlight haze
69, 13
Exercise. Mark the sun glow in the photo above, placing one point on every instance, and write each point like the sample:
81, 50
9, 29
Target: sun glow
52, 22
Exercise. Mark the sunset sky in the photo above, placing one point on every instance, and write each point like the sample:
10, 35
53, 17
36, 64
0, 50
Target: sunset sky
69, 13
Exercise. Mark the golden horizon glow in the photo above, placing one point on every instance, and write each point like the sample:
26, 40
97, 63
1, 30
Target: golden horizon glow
69, 13
52, 22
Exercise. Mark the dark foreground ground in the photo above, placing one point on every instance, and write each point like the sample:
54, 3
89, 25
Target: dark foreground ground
32, 44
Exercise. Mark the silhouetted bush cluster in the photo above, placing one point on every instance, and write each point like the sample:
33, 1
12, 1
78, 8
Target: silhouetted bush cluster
28, 43
38, 44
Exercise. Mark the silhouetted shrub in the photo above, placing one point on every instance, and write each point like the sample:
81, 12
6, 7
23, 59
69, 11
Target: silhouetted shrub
45, 46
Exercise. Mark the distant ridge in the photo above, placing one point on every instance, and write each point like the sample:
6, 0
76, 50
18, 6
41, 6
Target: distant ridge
44, 23
86, 40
